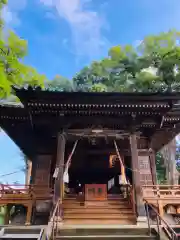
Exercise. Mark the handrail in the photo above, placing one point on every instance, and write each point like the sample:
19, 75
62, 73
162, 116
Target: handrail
51, 224
41, 234
55, 219
169, 230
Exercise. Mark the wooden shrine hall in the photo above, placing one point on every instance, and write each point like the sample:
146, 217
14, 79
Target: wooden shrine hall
105, 141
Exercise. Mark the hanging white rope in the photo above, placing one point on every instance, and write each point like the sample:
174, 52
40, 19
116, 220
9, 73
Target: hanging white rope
68, 163
117, 152
123, 177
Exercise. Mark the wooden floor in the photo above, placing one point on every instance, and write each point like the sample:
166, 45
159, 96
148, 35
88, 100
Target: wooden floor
115, 210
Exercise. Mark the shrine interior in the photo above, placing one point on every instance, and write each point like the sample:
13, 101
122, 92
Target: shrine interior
91, 163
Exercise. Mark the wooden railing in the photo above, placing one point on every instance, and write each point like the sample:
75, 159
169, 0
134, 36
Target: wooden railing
160, 223
35, 192
164, 192
26, 195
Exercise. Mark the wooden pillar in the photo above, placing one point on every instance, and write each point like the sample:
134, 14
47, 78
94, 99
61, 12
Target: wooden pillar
28, 172
59, 167
140, 209
160, 208
153, 166
33, 170
29, 213
7, 214
178, 209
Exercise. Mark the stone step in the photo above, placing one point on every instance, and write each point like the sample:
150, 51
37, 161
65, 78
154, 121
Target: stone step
133, 230
21, 232
20, 236
18, 230
108, 237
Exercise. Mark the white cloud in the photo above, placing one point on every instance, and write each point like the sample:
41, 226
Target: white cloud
86, 25
10, 13
137, 43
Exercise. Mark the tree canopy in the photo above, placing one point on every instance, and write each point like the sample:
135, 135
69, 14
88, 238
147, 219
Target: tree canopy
150, 67
13, 71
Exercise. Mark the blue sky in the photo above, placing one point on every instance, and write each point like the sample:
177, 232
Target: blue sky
65, 35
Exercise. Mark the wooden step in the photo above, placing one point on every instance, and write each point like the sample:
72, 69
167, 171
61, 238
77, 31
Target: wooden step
99, 222
106, 200
103, 206
98, 210
112, 202
98, 216
109, 195
113, 196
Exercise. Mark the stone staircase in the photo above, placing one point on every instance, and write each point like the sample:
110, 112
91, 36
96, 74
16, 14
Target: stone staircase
115, 210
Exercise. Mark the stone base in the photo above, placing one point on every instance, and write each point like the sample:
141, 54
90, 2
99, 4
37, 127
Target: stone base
142, 220
57, 219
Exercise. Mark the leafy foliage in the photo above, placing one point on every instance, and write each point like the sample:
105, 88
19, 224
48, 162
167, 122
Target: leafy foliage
59, 84
12, 70
152, 66
161, 169
178, 156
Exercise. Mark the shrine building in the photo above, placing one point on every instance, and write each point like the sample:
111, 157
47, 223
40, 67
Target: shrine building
103, 140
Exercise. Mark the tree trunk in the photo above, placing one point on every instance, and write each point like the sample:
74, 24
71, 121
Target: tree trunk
169, 156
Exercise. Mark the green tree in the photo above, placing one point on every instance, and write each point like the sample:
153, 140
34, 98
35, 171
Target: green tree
163, 53
161, 169
153, 66
59, 84
12, 70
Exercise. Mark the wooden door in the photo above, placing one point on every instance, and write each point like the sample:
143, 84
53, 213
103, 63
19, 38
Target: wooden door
95, 192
